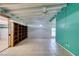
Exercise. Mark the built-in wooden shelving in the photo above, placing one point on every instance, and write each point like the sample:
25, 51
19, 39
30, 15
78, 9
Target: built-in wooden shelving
19, 33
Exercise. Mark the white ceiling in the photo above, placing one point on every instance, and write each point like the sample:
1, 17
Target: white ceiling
33, 12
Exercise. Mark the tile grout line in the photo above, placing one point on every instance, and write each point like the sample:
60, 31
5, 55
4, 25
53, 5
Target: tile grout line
3, 50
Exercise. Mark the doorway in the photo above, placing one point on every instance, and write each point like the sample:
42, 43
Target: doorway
3, 33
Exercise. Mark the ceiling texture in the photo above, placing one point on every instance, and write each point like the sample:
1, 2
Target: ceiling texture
34, 13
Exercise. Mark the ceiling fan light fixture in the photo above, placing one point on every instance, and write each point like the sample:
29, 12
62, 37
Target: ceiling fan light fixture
45, 10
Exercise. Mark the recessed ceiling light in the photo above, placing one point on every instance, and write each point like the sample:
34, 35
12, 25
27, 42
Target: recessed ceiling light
40, 25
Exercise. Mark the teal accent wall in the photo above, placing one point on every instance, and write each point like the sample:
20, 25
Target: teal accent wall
67, 27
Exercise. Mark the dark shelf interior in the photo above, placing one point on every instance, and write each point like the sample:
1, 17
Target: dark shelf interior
20, 33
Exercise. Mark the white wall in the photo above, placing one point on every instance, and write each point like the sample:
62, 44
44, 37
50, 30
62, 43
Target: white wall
3, 28
37, 31
53, 27
4, 33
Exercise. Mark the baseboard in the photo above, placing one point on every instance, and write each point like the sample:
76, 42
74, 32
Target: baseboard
66, 49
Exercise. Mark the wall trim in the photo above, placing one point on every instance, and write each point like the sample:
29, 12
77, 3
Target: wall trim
66, 49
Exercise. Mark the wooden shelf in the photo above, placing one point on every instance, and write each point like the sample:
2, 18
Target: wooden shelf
19, 33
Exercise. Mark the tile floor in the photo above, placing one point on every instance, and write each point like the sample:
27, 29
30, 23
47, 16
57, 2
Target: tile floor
3, 44
37, 44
